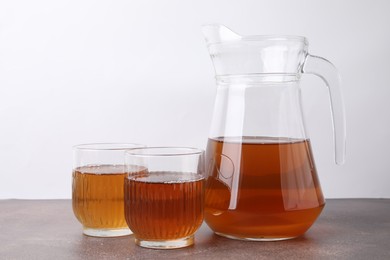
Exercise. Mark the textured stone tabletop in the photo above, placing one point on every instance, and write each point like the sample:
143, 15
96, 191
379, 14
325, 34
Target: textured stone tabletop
47, 229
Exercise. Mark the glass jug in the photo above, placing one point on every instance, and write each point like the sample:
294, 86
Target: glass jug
262, 182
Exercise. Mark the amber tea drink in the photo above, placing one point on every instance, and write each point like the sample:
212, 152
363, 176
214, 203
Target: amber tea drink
97, 188
164, 195
279, 194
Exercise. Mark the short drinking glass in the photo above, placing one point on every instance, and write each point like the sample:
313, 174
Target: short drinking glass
97, 188
164, 195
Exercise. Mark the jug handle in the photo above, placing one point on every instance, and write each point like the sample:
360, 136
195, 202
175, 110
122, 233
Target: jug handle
328, 73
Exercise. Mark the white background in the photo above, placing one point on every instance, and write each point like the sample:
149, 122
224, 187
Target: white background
138, 71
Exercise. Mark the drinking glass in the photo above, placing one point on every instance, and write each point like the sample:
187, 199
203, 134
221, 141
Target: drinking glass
97, 188
164, 195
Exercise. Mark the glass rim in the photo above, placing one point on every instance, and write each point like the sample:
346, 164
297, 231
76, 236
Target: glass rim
171, 151
107, 146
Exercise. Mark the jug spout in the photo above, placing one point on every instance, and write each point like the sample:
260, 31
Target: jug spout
216, 33
234, 54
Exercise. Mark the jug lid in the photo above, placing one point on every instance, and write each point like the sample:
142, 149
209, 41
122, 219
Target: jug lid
233, 54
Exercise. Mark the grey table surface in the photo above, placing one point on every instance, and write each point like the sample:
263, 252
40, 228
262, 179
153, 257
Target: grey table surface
47, 229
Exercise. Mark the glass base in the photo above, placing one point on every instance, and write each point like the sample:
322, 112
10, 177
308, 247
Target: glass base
166, 244
265, 239
117, 232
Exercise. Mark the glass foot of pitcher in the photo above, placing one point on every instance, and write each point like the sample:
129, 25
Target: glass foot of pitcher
265, 239
118, 232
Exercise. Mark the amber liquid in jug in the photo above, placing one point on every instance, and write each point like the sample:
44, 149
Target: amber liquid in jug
261, 188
